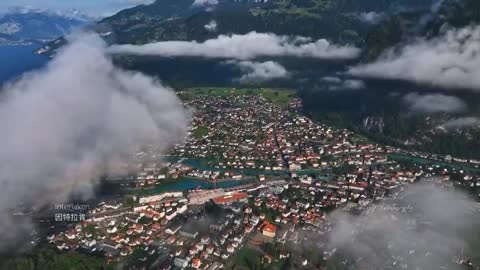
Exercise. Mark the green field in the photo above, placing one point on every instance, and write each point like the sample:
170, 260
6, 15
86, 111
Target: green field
278, 96
247, 257
199, 132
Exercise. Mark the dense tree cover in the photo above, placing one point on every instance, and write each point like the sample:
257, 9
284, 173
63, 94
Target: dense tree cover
313, 18
336, 20
457, 145
349, 109
404, 26
333, 19
48, 258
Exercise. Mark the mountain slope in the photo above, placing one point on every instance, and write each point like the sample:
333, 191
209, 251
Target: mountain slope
337, 20
377, 109
408, 25
179, 20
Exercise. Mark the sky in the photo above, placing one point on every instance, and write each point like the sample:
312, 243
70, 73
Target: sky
90, 7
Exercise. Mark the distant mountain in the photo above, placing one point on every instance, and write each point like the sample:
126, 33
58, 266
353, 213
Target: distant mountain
410, 24
379, 111
372, 25
23, 25
342, 21
339, 20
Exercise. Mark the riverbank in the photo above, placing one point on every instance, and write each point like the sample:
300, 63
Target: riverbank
204, 165
426, 161
189, 183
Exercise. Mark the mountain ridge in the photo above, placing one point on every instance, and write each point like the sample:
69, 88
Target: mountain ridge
34, 25
377, 110
339, 21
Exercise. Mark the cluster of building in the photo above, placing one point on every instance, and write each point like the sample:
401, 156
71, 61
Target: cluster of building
234, 132
115, 230
322, 169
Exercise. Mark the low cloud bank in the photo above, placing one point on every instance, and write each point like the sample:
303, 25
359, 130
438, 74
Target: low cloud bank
449, 61
259, 71
461, 123
371, 17
243, 47
78, 118
141, 2
205, 3
426, 228
336, 83
434, 103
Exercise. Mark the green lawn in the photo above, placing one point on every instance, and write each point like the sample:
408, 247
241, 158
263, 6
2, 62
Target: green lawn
278, 96
247, 257
199, 132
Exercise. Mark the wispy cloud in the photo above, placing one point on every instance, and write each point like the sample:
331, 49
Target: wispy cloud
336, 83
419, 231
205, 3
211, 26
434, 103
371, 17
141, 2
244, 47
461, 123
353, 84
331, 79
449, 61
259, 71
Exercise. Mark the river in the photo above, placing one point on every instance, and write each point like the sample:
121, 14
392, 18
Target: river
187, 183
202, 164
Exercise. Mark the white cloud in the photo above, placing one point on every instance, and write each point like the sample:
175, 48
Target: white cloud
211, 26
371, 17
450, 61
141, 2
259, 71
353, 84
76, 119
433, 103
331, 79
336, 83
243, 47
462, 122
205, 3
419, 230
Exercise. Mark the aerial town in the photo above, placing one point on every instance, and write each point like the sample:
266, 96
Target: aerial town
254, 182
240, 135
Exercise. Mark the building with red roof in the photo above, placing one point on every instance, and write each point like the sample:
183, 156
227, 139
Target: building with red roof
269, 229
229, 199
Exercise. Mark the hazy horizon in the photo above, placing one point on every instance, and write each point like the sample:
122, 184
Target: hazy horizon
90, 7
